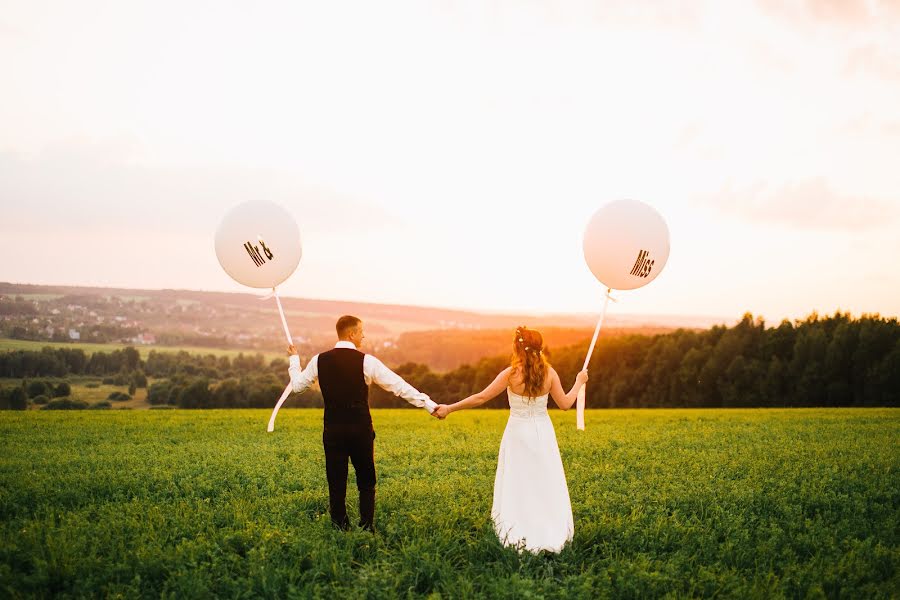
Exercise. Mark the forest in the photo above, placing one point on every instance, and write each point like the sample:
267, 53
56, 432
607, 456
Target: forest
836, 360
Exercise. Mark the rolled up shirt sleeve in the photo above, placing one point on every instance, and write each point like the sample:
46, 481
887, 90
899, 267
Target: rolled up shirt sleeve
375, 370
301, 380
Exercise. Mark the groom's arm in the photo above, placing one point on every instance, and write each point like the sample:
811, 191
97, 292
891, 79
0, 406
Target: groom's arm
386, 379
300, 380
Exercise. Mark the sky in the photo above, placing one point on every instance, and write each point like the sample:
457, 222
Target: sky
451, 153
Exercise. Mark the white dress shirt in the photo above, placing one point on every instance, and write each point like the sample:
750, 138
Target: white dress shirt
373, 370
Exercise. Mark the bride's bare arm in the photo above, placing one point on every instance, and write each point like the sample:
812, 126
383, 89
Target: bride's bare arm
562, 399
498, 385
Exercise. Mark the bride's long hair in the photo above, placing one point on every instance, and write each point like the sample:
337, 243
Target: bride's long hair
528, 360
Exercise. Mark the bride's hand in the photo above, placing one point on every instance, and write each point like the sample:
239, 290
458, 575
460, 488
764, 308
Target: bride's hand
582, 377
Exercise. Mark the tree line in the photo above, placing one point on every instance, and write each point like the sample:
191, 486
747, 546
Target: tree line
62, 362
830, 361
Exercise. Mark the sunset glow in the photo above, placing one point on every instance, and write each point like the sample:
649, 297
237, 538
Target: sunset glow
451, 154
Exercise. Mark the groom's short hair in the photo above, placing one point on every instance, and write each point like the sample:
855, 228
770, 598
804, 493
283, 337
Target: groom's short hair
346, 324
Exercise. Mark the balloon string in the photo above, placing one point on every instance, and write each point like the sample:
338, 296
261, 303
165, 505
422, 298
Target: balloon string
579, 407
590, 351
284, 324
287, 391
284, 395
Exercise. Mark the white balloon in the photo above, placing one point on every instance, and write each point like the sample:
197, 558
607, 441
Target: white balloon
626, 244
258, 244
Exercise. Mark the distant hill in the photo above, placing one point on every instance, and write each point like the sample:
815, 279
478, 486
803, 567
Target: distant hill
448, 349
443, 338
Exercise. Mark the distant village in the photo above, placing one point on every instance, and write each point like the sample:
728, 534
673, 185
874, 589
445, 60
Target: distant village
441, 338
173, 318
136, 320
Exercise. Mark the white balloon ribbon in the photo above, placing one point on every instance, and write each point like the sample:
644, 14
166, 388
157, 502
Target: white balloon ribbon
579, 406
287, 391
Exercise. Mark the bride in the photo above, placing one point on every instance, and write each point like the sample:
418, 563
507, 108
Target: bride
531, 500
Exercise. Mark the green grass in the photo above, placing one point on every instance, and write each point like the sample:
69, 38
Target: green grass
90, 394
678, 503
7, 345
102, 392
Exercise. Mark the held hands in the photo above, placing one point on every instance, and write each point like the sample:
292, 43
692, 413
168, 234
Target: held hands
441, 411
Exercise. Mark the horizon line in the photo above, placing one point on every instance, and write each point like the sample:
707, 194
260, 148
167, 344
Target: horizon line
717, 319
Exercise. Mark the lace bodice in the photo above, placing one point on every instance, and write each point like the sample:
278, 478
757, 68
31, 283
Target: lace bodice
523, 406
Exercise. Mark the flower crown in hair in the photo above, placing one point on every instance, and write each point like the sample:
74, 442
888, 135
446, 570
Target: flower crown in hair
520, 331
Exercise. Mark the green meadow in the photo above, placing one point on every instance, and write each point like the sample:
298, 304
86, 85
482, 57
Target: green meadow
794, 503
90, 390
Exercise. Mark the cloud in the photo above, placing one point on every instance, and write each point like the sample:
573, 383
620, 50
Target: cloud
867, 124
10, 31
694, 140
772, 57
101, 187
850, 12
847, 13
677, 14
810, 205
873, 60
674, 14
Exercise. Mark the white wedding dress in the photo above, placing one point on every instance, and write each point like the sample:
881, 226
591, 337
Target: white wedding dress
531, 499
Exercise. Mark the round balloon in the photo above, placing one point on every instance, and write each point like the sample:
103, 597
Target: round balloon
626, 244
258, 244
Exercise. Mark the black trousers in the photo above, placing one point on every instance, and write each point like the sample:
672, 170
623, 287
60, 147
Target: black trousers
356, 442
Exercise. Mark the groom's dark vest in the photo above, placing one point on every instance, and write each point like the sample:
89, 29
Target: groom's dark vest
344, 386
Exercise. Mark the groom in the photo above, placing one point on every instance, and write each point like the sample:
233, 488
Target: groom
344, 374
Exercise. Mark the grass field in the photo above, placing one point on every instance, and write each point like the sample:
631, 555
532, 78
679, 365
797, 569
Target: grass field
7, 345
82, 387
680, 503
